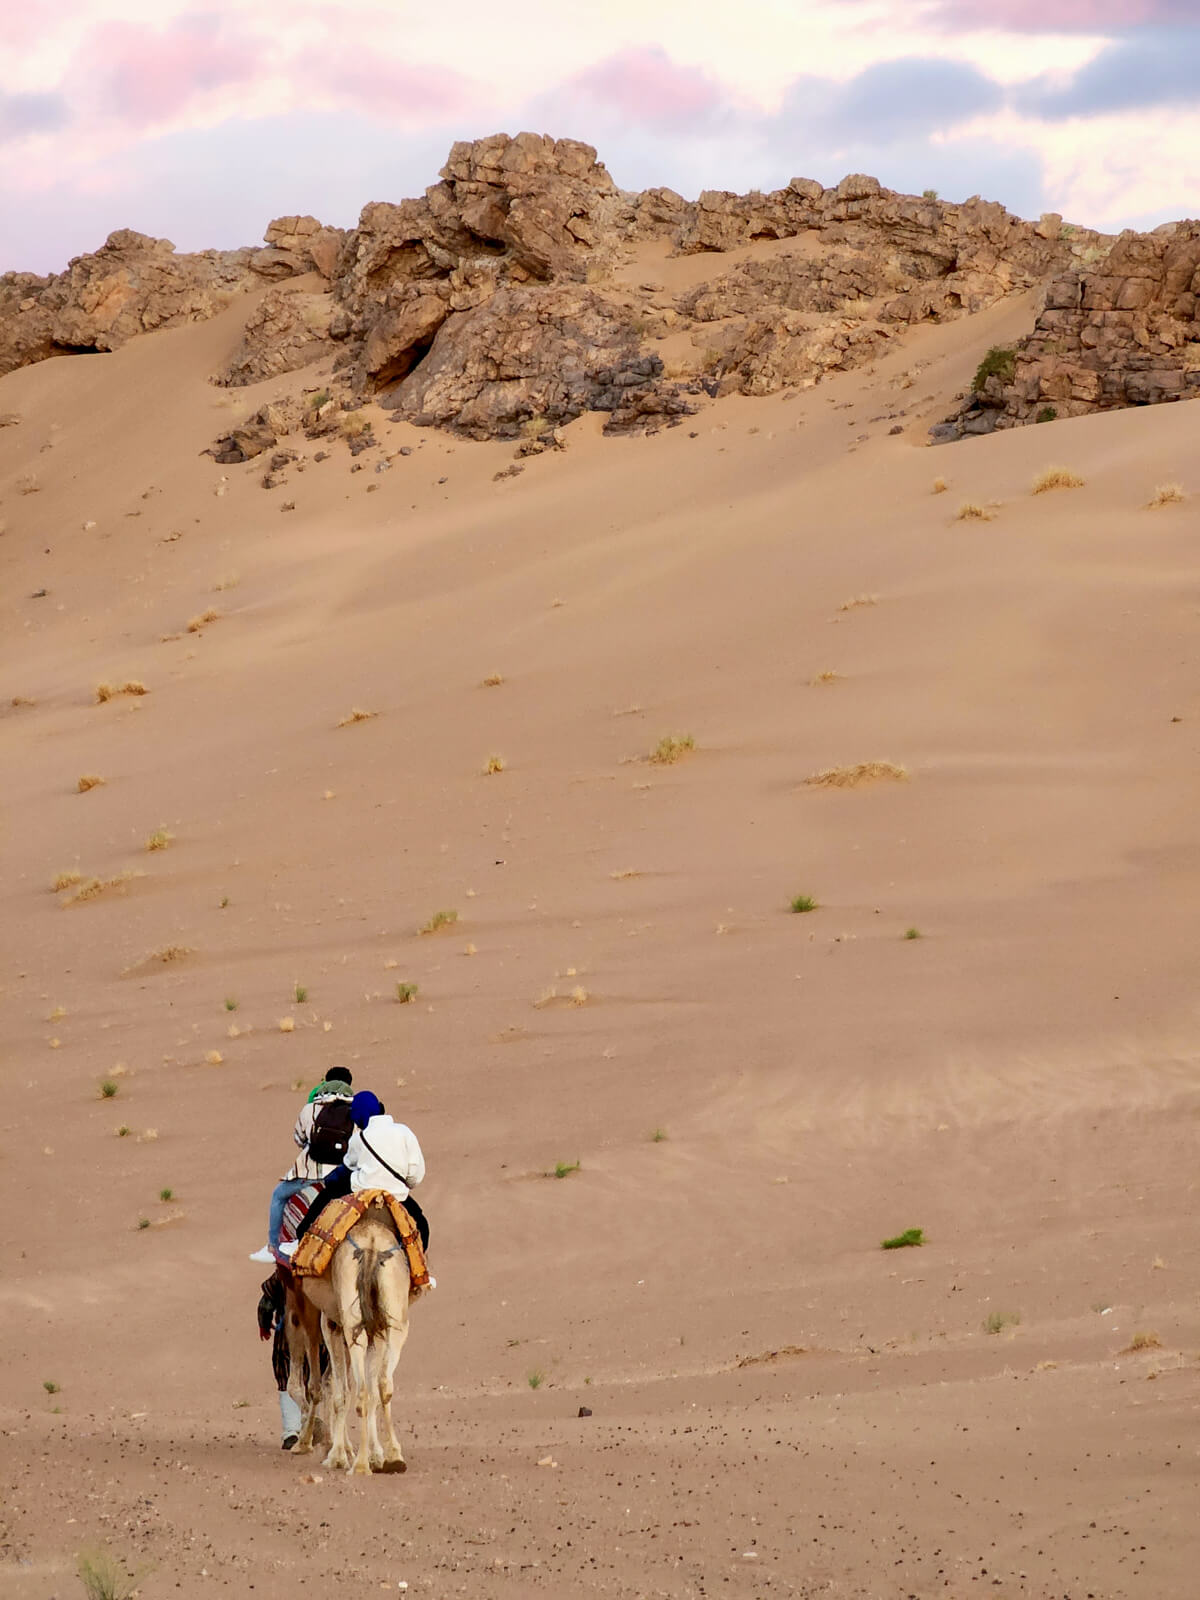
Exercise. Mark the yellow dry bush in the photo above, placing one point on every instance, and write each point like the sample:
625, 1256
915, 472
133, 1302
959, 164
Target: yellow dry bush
853, 777
89, 780
1055, 478
198, 623
972, 511
356, 714
1166, 494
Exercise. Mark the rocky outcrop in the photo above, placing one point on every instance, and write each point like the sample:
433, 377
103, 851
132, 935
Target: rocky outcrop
1120, 329
134, 284
287, 329
548, 352
503, 296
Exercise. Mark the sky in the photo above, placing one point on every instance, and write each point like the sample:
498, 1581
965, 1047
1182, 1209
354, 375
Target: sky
200, 120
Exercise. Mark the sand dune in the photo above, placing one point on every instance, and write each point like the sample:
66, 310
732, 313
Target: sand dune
1019, 1080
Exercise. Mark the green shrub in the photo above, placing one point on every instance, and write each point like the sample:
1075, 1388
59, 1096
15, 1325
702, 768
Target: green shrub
904, 1241
1047, 414
1000, 362
804, 902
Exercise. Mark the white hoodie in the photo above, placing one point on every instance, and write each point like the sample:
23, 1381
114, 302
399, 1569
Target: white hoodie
396, 1145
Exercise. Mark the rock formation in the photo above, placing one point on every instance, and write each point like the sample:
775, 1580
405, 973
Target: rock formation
1120, 328
504, 298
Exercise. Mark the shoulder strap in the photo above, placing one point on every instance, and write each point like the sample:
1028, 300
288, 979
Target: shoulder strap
363, 1136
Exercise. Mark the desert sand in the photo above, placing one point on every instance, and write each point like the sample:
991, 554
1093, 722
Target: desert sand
755, 1097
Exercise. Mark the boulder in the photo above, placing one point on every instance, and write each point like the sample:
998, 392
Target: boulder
286, 330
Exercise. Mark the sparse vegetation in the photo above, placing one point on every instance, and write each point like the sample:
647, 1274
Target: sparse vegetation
213, 1058
1055, 478
658, 1136
493, 764
803, 902
406, 993
564, 1169
909, 1239
940, 486
1166, 494
912, 933
857, 600
102, 1579
89, 780
1145, 1340
198, 623
159, 839
356, 714
1047, 414
536, 1379
353, 424
109, 1089
109, 691
438, 921
853, 777
166, 1194
929, 194
230, 1003
828, 676
143, 1223
1000, 362
124, 1131
300, 993
90, 888
50, 1386
972, 511
672, 747
287, 1024
493, 680
997, 1321
67, 880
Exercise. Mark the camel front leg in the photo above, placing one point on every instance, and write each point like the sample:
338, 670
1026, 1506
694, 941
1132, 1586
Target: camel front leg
304, 1344
339, 1449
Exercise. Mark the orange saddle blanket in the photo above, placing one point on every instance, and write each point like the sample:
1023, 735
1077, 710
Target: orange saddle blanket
339, 1216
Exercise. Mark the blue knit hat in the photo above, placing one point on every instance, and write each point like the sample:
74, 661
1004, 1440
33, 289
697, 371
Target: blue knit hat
364, 1106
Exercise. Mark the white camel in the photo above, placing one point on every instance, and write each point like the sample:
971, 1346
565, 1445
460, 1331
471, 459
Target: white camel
361, 1307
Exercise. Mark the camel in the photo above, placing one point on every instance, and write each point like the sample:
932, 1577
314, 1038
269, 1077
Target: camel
361, 1307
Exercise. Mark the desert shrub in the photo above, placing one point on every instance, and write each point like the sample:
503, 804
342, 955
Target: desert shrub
910, 1238
1000, 362
1055, 478
803, 902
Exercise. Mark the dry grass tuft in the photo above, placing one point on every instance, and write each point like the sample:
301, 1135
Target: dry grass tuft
438, 921
1166, 494
230, 581
163, 957
672, 747
940, 486
213, 1058
493, 764
356, 715
89, 780
109, 691
493, 680
198, 623
857, 600
626, 872
159, 839
287, 1024
1146, 1340
1055, 478
353, 424
66, 880
92, 888
551, 997
862, 772
972, 511
828, 676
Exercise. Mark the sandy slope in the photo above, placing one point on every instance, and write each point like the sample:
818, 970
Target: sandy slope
1021, 1081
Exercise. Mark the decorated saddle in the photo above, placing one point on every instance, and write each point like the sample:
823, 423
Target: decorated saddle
334, 1223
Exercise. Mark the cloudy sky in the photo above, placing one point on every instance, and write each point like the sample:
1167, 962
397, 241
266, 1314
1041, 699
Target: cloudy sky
200, 121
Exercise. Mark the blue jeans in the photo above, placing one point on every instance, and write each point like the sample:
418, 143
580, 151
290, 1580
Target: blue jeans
283, 1192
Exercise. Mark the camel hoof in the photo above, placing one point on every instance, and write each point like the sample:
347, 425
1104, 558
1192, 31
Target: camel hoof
361, 1469
334, 1461
300, 1449
394, 1466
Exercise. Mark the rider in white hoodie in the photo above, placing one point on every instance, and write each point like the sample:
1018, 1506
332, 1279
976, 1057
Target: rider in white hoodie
381, 1154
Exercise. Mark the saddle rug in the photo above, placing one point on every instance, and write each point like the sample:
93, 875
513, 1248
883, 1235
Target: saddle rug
339, 1216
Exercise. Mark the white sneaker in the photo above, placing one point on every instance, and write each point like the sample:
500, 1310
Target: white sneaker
289, 1247
264, 1255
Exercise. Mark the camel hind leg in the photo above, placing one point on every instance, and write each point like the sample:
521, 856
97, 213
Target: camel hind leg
394, 1293
339, 1382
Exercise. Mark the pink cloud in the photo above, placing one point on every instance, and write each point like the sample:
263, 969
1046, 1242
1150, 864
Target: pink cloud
141, 76
1061, 16
646, 86
400, 91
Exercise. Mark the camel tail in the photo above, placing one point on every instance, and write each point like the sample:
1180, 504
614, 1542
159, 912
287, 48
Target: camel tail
375, 1320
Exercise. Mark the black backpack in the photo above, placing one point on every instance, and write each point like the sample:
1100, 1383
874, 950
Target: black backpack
332, 1127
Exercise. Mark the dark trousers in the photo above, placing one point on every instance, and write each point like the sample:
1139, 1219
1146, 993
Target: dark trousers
336, 1187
